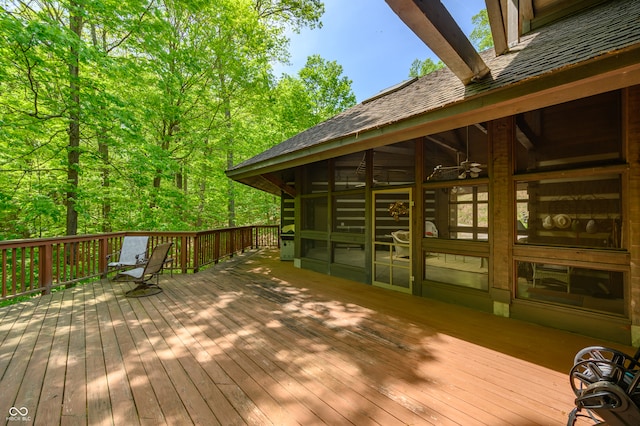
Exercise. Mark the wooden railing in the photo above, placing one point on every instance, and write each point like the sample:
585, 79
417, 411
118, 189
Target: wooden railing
39, 265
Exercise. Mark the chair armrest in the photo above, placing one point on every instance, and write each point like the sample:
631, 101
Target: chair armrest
142, 258
110, 255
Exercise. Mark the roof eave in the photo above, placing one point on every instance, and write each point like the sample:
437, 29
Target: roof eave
608, 72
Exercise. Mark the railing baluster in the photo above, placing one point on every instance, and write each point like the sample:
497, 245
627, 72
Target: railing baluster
35, 265
32, 257
14, 282
4, 273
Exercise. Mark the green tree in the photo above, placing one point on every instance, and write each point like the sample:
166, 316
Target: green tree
481, 34
420, 68
49, 55
318, 92
125, 115
273, 16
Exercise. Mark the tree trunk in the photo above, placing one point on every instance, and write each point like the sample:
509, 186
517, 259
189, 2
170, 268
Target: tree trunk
73, 150
106, 201
231, 207
103, 150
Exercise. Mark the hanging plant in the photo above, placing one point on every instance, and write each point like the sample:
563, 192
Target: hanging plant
398, 209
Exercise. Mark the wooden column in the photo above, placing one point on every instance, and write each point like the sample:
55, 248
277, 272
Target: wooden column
368, 218
418, 219
501, 218
631, 132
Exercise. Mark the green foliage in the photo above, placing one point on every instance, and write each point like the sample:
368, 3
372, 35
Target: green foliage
420, 68
169, 95
481, 34
319, 92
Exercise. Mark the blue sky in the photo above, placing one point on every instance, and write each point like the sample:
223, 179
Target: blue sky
371, 43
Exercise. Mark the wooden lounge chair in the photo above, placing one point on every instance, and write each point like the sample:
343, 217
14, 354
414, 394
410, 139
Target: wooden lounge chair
133, 253
143, 275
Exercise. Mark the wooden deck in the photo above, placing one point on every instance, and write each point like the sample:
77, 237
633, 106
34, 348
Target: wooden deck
256, 341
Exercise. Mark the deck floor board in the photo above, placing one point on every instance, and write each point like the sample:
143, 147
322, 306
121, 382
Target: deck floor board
255, 341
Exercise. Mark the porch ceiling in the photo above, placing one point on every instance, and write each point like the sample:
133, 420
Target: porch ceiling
257, 341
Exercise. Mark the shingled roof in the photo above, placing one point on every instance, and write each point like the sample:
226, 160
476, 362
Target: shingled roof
598, 40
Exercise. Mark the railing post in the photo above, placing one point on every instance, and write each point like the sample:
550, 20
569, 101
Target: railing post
184, 253
196, 253
257, 233
216, 247
103, 251
46, 268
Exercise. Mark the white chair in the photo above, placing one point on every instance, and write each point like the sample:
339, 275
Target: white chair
430, 230
132, 253
402, 241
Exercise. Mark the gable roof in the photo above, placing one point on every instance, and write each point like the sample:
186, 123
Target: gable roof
591, 52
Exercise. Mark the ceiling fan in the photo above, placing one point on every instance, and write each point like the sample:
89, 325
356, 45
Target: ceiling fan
463, 170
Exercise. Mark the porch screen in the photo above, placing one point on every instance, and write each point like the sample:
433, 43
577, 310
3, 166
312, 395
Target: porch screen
459, 212
584, 211
592, 289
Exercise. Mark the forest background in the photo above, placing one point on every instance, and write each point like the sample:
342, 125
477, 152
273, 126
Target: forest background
124, 115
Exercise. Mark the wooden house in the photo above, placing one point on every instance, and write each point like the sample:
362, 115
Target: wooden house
513, 175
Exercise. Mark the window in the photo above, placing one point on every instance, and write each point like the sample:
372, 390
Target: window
314, 213
461, 270
593, 289
458, 212
456, 154
349, 254
349, 213
570, 135
349, 172
315, 249
316, 178
582, 211
394, 164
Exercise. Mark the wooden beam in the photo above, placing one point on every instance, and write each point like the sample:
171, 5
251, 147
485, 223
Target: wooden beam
512, 17
289, 190
523, 139
526, 9
504, 20
527, 15
524, 134
480, 127
433, 24
442, 143
498, 33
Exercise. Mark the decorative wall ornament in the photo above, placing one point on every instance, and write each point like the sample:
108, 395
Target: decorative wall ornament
561, 221
398, 209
